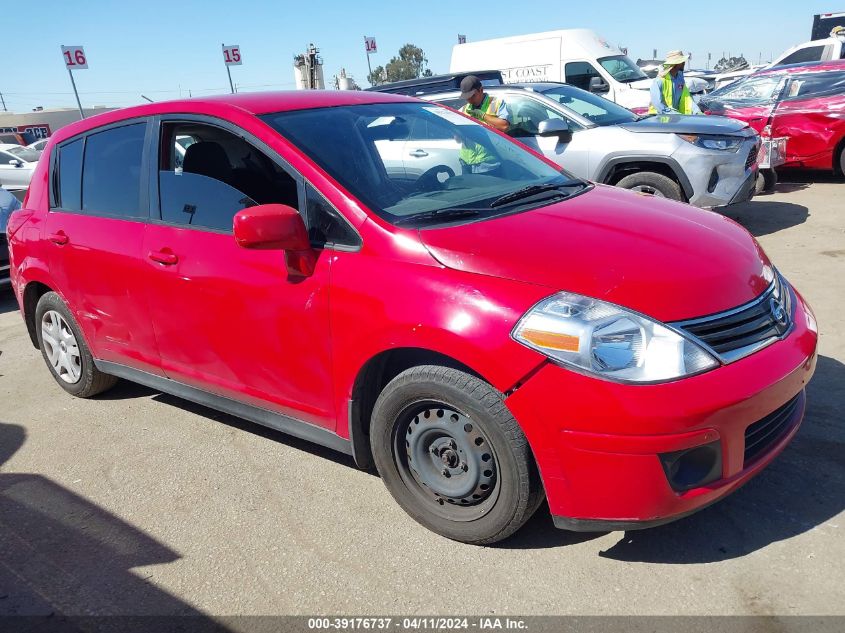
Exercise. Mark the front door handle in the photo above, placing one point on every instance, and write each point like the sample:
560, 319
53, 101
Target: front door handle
418, 153
59, 238
166, 259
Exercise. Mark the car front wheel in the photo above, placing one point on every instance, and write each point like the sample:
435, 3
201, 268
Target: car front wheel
453, 456
652, 183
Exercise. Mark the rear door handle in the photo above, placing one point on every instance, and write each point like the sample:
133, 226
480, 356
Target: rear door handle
166, 259
59, 238
418, 153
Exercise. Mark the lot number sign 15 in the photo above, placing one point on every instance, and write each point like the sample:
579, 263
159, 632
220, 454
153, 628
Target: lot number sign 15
232, 55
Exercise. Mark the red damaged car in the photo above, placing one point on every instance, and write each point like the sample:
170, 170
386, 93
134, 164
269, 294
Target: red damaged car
799, 111
485, 339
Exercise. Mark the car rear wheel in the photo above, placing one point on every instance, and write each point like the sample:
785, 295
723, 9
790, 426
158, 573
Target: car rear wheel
652, 183
65, 351
453, 456
842, 161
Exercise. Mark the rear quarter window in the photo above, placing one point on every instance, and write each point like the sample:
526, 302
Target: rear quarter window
67, 183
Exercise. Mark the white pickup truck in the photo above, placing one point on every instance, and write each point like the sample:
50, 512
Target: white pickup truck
823, 50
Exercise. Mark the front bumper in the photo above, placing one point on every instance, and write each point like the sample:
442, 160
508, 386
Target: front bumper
719, 178
598, 444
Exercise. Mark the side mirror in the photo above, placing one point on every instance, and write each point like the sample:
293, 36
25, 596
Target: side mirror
276, 227
555, 127
15, 163
598, 85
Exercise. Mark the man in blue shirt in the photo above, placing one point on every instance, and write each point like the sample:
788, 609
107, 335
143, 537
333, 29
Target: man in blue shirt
669, 92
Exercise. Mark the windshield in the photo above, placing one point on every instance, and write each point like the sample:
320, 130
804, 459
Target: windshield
622, 69
749, 91
24, 153
415, 163
597, 109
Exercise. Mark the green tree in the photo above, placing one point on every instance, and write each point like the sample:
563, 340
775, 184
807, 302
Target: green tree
410, 64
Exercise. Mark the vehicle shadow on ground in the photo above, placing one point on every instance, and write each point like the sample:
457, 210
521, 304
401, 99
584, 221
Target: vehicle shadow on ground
61, 555
765, 217
801, 490
125, 390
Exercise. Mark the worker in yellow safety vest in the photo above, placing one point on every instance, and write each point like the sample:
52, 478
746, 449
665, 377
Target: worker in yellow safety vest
492, 111
669, 92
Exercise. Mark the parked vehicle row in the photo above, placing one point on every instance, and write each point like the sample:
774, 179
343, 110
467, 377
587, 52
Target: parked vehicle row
484, 339
706, 161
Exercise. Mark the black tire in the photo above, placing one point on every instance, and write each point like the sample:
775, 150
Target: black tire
842, 161
469, 422
649, 181
91, 381
767, 180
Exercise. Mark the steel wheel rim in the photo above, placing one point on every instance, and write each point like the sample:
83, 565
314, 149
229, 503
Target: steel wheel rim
649, 190
60, 347
446, 461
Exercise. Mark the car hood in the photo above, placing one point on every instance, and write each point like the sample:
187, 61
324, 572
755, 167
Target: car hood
682, 124
665, 259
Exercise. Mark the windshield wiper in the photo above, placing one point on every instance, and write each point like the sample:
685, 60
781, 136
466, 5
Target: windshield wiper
531, 190
438, 214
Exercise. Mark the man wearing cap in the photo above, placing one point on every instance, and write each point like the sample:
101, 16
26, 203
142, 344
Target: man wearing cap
669, 92
482, 106
476, 158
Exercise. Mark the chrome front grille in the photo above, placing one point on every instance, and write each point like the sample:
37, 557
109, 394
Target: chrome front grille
744, 330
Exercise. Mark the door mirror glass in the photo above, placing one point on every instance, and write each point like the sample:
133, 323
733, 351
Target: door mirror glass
271, 227
556, 127
598, 85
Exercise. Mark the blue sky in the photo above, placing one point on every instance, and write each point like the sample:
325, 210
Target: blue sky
158, 48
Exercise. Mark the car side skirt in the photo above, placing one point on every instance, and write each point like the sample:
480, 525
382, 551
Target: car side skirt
271, 419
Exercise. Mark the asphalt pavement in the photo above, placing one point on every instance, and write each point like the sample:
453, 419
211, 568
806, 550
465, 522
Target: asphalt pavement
140, 503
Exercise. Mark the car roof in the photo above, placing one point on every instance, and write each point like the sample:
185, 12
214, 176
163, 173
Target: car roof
9, 145
838, 64
254, 103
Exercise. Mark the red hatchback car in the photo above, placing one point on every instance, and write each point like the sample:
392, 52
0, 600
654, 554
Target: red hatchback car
484, 339
802, 103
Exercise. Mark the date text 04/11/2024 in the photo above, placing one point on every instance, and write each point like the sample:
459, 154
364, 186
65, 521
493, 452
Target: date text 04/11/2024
418, 623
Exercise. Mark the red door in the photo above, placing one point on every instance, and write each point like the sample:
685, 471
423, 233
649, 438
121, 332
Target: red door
95, 236
229, 320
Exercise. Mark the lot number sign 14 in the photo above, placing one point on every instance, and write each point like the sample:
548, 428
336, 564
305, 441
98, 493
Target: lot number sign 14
74, 57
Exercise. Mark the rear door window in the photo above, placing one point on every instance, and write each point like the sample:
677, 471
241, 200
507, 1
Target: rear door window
111, 171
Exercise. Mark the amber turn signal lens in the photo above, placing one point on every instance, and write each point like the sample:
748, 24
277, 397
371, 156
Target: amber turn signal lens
551, 340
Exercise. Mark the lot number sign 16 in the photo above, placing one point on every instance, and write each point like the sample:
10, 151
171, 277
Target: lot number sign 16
74, 57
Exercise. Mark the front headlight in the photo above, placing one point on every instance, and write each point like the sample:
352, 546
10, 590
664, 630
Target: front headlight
726, 143
605, 340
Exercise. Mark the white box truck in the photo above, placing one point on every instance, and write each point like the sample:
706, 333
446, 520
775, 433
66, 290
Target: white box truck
575, 56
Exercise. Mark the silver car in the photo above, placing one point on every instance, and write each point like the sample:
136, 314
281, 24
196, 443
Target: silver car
704, 160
